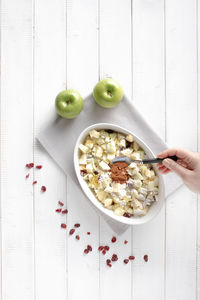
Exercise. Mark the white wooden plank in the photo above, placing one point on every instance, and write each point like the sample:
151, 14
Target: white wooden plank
49, 79
181, 93
16, 150
82, 45
148, 96
82, 74
198, 149
115, 62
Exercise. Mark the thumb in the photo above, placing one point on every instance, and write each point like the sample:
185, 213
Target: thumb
172, 165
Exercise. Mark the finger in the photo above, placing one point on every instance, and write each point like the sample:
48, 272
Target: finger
163, 169
178, 169
166, 172
159, 165
180, 153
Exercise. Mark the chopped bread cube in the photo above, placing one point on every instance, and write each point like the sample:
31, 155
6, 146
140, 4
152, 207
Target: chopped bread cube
101, 195
129, 138
94, 134
110, 157
107, 202
136, 146
122, 143
89, 144
104, 166
135, 155
83, 159
140, 212
83, 148
119, 211
111, 148
127, 152
89, 168
98, 152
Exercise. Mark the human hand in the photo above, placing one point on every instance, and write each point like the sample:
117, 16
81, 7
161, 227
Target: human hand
187, 166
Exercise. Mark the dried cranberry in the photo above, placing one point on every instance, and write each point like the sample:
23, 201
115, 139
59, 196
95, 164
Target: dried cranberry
109, 265
126, 261
104, 252
77, 225
89, 247
108, 261
127, 215
88, 233
35, 181
86, 251
114, 257
27, 176
71, 231
43, 188
60, 203
58, 210
63, 226
83, 172
146, 258
100, 248
131, 257
39, 167
65, 211
107, 248
78, 237
125, 242
109, 130
96, 173
113, 239
30, 165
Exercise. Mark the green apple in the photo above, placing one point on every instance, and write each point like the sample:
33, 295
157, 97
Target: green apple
108, 93
69, 104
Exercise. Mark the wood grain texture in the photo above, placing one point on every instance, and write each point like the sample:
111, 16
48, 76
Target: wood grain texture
16, 150
181, 92
149, 97
82, 74
198, 149
115, 62
49, 79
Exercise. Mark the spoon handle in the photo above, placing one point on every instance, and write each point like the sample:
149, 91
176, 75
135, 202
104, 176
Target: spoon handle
158, 160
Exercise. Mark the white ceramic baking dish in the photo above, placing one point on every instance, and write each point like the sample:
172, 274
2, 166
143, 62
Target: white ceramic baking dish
155, 207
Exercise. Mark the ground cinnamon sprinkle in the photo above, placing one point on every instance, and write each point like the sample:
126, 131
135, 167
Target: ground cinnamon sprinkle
119, 172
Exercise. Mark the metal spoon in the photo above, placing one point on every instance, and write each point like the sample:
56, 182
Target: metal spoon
128, 160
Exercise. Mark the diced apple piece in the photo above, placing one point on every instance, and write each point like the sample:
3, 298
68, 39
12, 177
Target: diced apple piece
129, 138
98, 152
122, 143
89, 168
101, 195
89, 144
119, 211
104, 166
110, 157
111, 148
107, 202
136, 146
140, 212
83, 159
94, 134
83, 148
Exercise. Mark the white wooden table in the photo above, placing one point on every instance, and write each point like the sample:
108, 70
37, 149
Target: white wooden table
151, 48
